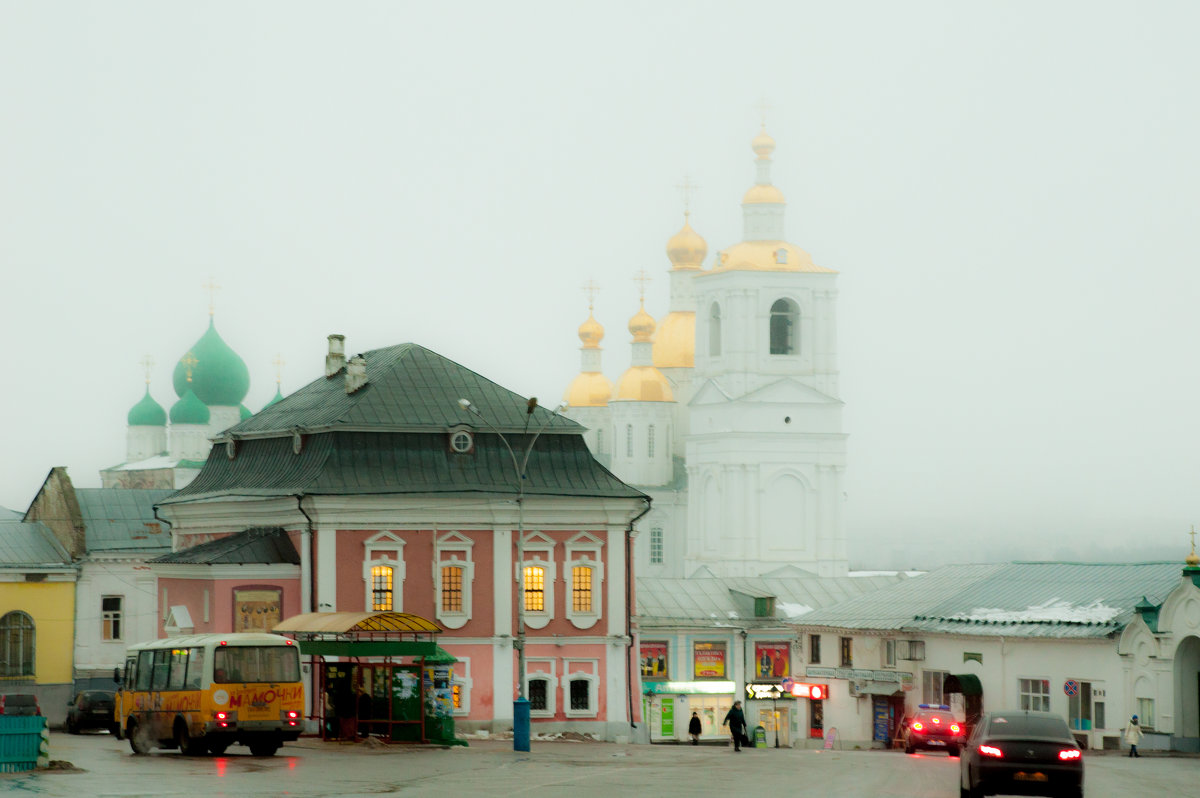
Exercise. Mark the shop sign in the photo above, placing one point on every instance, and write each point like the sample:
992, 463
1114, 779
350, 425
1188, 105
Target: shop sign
709, 687
668, 718
766, 691
708, 661
820, 673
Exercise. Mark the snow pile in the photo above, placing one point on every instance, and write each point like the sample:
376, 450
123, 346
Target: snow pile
1053, 611
792, 610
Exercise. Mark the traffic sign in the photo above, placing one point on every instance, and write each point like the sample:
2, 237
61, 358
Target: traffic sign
1071, 687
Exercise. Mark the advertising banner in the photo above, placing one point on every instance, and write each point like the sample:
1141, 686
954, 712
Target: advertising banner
771, 660
654, 660
708, 660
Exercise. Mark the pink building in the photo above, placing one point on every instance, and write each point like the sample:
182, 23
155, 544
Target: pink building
373, 488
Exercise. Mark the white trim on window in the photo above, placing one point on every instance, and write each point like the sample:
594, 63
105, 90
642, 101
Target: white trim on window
544, 671
464, 682
539, 552
384, 549
573, 669
453, 550
584, 551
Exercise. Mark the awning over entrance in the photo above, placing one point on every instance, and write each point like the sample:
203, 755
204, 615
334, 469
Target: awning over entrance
362, 634
965, 683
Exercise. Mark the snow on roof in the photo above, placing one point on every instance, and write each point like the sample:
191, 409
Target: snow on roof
1052, 611
789, 610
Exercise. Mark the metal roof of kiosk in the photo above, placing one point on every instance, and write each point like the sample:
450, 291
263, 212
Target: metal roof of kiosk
362, 634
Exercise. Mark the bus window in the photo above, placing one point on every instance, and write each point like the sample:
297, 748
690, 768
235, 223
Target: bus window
144, 669
195, 668
178, 668
130, 672
256, 664
162, 665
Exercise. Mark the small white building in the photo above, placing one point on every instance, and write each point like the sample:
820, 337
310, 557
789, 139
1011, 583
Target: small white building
1095, 643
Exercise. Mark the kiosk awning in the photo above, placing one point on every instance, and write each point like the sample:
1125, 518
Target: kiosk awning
362, 634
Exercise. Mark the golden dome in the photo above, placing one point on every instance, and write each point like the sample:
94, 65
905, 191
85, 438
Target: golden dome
675, 341
758, 195
643, 384
589, 389
767, 256
641, 326
591, 332
687, 248
763, 144
1192, 559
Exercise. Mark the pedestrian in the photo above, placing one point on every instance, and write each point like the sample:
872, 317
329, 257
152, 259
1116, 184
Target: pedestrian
694, 728
737, 725
1133, 736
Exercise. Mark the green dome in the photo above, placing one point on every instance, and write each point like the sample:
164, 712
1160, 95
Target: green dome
147, 413
219, 376
278, 397
189, 410
245, 412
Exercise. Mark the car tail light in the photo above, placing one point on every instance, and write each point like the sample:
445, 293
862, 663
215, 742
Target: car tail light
954, 727
937, 720
918, 725
992, 751
1069, 754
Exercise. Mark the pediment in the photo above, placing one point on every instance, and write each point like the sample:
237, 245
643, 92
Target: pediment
790, 392
710, 393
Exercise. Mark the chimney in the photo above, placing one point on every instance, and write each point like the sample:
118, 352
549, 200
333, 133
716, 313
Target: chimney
337, 355
356, 373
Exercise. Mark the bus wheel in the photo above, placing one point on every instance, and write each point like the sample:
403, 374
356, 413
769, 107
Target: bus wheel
264, 747
188, 745
139, 743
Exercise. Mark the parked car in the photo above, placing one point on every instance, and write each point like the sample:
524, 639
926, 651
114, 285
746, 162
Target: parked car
19, 704
934, 728
91, 709
1024, 753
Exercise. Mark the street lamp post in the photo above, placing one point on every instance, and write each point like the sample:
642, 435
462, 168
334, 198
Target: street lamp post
521, 704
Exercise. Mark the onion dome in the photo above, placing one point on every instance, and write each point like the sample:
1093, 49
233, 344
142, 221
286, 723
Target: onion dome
643, 384
190, 410
589, 389
219, 375
675, 341
687, 248
591, 332
641, 326
760, 195
147, 413
763, 145
768, 256
278, 397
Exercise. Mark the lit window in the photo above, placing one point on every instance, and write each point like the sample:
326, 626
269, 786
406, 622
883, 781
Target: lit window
452, 581
581, 588
785, 320
110, 617
535, 588
381, 587
456, 694
656, 545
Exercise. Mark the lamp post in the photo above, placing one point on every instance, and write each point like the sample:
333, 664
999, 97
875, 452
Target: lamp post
521, 704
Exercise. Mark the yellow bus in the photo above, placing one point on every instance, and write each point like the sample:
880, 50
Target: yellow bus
203, 693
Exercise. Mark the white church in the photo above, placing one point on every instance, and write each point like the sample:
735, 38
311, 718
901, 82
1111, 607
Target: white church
729, 414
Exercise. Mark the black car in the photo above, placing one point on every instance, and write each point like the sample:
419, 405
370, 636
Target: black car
1020, 752
933, 728
91, 709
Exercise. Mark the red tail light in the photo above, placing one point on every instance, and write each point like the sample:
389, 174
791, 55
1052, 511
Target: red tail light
992, 751
918, 725
292, 714
954, 727
937, 720
221, 716
1069, 754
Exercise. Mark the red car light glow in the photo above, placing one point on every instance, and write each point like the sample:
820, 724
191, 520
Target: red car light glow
1069, 754
954, 727
937, 720
918, 725
992, 751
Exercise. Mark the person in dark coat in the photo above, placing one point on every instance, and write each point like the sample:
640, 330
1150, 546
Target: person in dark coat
694, 728
737, 724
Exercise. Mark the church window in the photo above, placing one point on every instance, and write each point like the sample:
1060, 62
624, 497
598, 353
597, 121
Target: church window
580, 694
452, 588
650, 442
629, 440
784, 325
461, 442
656, 545
600, 441
381, 587
581, 588
110, 617
539, 695
535, 588
714, 330
16, 644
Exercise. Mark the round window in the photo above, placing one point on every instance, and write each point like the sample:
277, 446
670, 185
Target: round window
460, 442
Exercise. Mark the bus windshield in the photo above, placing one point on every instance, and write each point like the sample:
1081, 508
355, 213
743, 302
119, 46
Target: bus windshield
256, 664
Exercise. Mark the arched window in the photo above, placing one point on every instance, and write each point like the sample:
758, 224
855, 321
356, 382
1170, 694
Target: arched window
381, 587
785, 327
714, 330
650, 442
600, 441
535, 588
16, 644
629, 440
452, 588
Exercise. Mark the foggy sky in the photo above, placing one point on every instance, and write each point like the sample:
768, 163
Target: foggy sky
1008, 190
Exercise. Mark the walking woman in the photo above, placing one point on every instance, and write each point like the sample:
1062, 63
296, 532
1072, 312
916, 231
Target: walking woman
1133, 736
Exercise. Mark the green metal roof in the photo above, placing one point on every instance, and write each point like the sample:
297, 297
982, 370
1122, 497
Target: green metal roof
25, 544
356, 463
409, 388
219, 375
118, 519
257, 545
